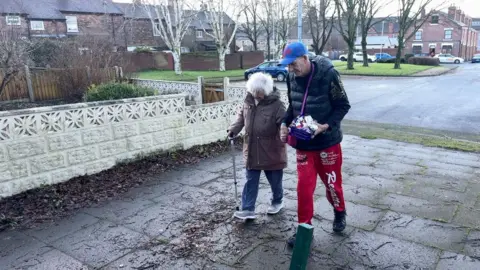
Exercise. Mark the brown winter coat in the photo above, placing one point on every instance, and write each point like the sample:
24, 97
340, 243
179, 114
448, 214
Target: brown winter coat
262, 147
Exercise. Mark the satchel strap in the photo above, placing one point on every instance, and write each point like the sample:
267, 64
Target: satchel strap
312, 70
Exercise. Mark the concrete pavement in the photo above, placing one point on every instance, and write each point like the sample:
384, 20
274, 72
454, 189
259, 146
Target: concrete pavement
447, 102
409, 207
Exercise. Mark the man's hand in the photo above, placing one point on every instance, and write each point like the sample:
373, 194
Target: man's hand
283, 133
320, 129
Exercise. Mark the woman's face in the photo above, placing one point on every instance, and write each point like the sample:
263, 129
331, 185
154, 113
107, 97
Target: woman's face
260, 95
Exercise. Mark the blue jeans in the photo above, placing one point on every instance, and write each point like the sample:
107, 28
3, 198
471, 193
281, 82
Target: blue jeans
250, 190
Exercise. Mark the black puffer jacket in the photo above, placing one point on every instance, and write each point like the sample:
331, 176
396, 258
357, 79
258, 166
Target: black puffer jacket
327, 103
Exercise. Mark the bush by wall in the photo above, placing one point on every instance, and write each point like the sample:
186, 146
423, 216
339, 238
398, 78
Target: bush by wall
113, 91
408, 56
424, 61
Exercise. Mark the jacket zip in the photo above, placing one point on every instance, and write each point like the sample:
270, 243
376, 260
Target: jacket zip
253, 127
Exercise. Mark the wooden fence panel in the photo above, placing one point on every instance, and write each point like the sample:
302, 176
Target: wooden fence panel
16, 89
212, 92
52, 84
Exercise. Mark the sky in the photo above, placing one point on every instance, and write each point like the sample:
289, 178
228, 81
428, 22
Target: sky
471, 7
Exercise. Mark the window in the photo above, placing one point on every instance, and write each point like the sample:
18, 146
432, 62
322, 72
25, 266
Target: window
13, 20
434, 19
199, 34
37, 25
417, 49
418, 35
72, 25
448, 34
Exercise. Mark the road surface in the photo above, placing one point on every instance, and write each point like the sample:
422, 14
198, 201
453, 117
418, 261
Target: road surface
447, 102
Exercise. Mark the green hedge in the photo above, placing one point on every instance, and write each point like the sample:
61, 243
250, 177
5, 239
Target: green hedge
424, 61
112, 91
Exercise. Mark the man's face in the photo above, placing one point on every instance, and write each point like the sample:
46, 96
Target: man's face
300, 66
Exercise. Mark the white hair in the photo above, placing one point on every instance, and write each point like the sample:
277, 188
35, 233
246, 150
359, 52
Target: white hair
260, 82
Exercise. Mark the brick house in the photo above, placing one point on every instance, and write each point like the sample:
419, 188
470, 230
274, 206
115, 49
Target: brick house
445, 33
476, 26
125, 25
139, 30
62, 19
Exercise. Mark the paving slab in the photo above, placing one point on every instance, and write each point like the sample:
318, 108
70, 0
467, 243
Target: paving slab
325, 240
53, 259
408, 207
449, 261
18, 249
419, 207
188, 176
423, 231
385, 252
468, 216
472, 244
358, 215
50, 232
99, 244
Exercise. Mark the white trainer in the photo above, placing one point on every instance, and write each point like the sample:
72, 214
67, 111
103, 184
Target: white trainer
275, 208
245, 215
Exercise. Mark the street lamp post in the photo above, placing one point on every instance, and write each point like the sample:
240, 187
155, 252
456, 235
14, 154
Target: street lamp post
300, 21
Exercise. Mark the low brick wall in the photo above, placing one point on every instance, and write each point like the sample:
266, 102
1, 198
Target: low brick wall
134, 62
49, 145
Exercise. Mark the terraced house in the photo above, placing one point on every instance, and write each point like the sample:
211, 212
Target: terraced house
450, 33
126, 26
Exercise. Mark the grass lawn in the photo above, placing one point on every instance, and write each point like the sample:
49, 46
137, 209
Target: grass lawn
375, 69
169, 75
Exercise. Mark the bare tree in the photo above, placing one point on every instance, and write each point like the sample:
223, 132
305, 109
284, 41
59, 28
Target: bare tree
267, 21
251, 27
412, 15
221, 24
348, 19
368, 10
285, 16
171, 23
320, 22
14, 55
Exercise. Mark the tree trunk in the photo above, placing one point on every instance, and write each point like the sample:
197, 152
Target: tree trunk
364, 51
177, 59
221, 59
351, 46
399, 53
268, 47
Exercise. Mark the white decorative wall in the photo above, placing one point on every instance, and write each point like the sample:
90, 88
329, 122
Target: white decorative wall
49, 145
193, 90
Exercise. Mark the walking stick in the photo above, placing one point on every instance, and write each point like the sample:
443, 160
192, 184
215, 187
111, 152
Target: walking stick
232, 144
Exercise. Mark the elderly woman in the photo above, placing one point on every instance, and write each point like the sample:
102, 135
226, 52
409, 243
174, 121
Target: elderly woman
261, 115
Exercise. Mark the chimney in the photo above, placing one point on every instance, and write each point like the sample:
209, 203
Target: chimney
390, 27
423, 13
462, 17
458, 14
451, 12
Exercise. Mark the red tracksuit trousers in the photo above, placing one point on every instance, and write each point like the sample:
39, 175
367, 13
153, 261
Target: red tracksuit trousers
327, 164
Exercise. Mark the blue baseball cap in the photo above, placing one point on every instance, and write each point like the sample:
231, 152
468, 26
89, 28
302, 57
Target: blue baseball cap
292, 51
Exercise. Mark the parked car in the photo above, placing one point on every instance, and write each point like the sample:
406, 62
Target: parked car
269, 67
448, 58
358, 57
387, 58
476, 58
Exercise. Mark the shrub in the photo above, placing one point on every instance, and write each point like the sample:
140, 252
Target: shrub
390, 60
143, 50
407, 56
424, 61
112, 91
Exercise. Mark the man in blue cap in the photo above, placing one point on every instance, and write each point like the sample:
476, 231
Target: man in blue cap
315, 88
